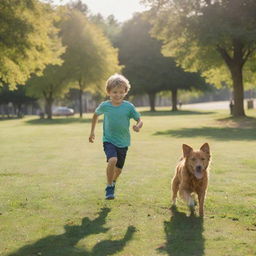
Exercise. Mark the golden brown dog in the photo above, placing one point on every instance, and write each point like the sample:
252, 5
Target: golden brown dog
192, 176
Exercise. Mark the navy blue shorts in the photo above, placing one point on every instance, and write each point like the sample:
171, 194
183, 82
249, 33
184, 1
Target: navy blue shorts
114, 151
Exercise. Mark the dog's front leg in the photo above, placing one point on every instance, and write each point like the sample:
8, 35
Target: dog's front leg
201, 197
175, 189
185, 194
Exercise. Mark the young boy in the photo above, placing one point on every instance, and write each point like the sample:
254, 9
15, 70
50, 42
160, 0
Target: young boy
116, 135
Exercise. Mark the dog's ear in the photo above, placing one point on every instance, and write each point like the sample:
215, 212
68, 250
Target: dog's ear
186, 150
205, 148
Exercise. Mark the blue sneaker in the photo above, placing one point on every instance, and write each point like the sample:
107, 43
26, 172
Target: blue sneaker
110, 192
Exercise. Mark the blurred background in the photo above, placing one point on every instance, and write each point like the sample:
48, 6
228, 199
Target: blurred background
56, 55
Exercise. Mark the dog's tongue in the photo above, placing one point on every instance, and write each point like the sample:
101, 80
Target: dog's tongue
199, 175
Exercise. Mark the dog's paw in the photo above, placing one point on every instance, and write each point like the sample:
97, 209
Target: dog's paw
191, 203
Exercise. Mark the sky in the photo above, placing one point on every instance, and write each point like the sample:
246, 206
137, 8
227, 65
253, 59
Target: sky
121, 9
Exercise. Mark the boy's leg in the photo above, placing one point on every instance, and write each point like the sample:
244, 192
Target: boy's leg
110, 189
111, 155
116, 158
111, 170
117, 172
121, 155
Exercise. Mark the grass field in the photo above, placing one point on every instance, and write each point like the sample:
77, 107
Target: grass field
52, 189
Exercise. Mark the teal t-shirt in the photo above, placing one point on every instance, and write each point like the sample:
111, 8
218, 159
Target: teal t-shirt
116, 122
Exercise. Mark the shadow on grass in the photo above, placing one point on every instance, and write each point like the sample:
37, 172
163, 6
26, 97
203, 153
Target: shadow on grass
184, 235
65, 244
9, 118
217, 133
174, 113
241, 122
58, 121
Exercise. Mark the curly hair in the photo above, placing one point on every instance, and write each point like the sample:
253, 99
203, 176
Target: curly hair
117, 80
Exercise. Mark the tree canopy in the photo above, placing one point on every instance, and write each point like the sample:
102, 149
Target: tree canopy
51, 85
110, 26
28, 39
215, 37
148, 70
88, 60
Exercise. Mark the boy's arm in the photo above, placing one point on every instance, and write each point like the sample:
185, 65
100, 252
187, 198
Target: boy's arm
94, 122
138, 126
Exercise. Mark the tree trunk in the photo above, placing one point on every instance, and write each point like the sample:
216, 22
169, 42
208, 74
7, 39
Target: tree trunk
81, 102
238, 90
48, 107
235, 65
85, 103
19, 109
152, 100
80, 98
174, 99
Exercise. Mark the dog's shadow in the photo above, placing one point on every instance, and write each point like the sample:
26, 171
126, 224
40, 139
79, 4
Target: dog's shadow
66, 244
184, 235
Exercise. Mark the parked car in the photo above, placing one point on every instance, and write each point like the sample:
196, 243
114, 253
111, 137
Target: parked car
63, 111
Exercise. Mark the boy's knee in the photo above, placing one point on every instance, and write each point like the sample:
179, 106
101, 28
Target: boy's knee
112, 160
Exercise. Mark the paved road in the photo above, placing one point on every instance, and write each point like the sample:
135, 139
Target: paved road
212, 105
208, 105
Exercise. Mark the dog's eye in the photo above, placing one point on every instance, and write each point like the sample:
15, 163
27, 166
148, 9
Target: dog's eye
202, 159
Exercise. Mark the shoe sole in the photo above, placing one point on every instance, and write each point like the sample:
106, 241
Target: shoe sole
110, 198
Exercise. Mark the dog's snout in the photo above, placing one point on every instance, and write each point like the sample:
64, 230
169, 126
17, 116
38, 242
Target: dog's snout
198, 168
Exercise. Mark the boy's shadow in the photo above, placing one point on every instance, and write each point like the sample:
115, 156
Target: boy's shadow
184, 235
65, 244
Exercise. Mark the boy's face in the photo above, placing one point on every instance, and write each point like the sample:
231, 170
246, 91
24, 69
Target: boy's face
117, 95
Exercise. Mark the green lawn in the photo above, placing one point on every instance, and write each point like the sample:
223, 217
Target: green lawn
52, 188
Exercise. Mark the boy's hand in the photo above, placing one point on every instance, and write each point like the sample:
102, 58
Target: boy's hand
136, 128
92, 137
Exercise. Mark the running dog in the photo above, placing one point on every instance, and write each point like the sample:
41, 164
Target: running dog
192, 176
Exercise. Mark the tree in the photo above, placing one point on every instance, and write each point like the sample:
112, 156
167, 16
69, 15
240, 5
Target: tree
51, 85
87, 61
78, 5
110, 26
214, 37
28, 40
89, 57
145, 66
178, 79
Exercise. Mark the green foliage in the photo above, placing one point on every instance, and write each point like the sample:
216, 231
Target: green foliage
110, 26
52, 83
90, 57
192, 32
145, 65
78, 5
29, 39
212, 37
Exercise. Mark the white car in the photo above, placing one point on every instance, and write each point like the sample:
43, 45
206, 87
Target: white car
63, 111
